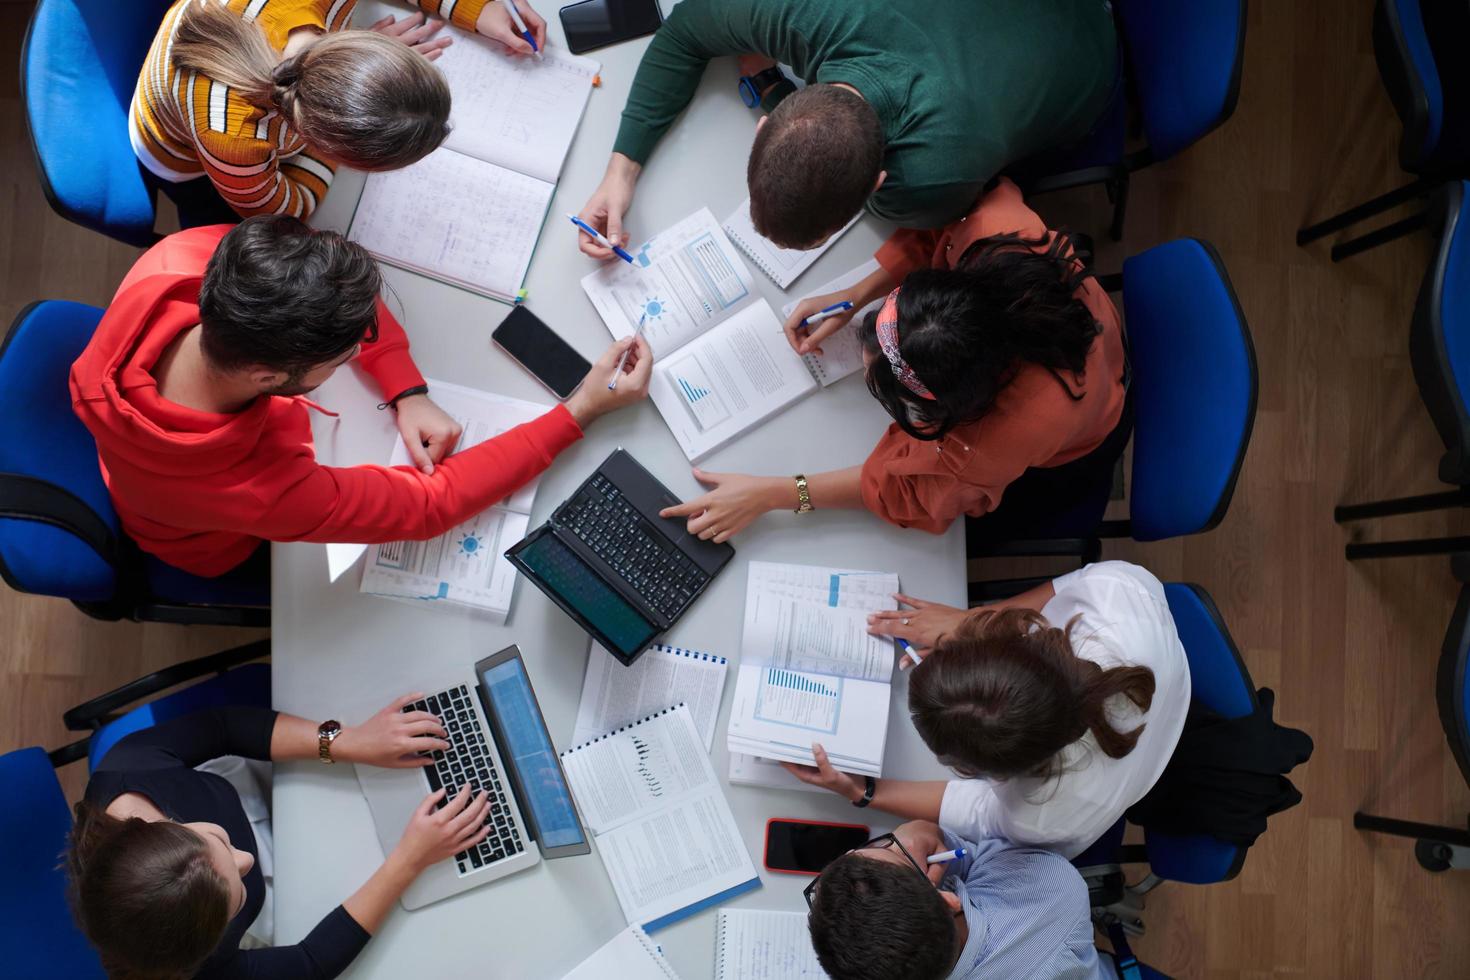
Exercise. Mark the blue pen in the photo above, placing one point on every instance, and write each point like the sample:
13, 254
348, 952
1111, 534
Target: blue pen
912, 653
601, 239
515, 15
825, 312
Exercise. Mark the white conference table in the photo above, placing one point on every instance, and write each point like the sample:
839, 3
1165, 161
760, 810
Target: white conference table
334, 648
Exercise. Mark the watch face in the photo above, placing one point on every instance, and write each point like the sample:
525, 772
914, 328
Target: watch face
329, 728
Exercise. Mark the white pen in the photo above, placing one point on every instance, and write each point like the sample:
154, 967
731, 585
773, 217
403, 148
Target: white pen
612, 383
944, 857
823, 314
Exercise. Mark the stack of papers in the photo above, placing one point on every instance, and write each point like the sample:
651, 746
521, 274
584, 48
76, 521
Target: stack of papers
809, 671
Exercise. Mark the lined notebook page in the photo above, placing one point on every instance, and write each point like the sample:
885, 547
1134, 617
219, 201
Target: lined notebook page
755, 945
630, 955
518, 112
455, 218
614, 695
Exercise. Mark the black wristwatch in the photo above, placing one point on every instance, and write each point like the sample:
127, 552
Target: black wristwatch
752, 88
870, 787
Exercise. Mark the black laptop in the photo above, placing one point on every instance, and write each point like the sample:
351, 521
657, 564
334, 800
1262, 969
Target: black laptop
612, 564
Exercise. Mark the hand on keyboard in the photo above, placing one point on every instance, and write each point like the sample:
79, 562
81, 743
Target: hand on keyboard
437, 833
398, 737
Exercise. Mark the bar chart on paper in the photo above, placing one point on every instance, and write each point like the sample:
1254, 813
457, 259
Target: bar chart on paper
809, 701
705, 406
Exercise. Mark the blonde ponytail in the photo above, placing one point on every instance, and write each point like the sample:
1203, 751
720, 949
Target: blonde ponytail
219, 44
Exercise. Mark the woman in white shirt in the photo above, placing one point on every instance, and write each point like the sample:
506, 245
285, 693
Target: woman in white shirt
1060, 708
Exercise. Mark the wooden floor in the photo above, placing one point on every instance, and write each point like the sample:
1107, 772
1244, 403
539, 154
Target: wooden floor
1350, 650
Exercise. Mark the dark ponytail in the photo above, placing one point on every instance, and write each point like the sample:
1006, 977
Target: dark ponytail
1005, 693
146, 894
968, 331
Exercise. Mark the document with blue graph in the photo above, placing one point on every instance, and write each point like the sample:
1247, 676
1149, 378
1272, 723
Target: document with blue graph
659, 819
809, 671
722, 365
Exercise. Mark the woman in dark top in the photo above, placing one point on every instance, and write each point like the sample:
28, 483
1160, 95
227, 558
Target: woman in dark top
162, 858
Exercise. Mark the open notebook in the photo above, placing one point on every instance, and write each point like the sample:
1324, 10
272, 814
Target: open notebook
841, 353
757, 945
470, 212
809, 671
783, 265
722, 365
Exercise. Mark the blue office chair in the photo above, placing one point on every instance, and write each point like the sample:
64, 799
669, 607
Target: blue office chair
59, 533
1417, 45
1182, 65
1194, 385
78, 69
1219, 681
1439, 350
37, 932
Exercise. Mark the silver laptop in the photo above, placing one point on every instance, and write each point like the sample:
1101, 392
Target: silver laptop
498, 742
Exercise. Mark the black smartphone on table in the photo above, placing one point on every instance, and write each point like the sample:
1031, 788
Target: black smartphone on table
537, 348
594, 24
805, 847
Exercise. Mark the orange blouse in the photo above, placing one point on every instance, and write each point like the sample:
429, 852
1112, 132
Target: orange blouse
1034, 422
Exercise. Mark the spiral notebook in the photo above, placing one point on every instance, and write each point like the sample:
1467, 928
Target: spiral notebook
841, 353
755, 945
630, 955
614, 695
662, 826
783, 265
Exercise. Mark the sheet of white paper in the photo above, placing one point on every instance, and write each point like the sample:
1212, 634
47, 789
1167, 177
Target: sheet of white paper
728, 380
630, 955
753, 944
519, 113
341, 557
614, 695
684, 280
455, 218
841, 353
815, 620
783, 265
778, 713
752, 770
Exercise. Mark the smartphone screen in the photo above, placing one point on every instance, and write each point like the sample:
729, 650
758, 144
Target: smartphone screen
807, 848
539, 350
597, 23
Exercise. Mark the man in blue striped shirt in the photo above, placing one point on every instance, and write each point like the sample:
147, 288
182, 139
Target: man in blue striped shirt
999, 911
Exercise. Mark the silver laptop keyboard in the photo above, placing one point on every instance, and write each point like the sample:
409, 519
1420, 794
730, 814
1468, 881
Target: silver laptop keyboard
468, 760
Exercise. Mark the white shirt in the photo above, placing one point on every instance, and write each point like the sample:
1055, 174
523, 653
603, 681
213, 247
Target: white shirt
1125, 621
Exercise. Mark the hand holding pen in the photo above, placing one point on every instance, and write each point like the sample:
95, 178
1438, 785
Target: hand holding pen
815, 319
600, 238
612, 383
515, 25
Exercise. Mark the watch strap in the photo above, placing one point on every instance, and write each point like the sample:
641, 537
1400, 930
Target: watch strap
803, 496
393, 402
326, 734
777, 93
870, 786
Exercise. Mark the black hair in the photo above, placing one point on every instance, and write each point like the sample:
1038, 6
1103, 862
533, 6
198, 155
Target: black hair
968, 331
283, 295
871, 920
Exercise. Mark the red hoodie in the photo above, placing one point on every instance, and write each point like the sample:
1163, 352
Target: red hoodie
201, 490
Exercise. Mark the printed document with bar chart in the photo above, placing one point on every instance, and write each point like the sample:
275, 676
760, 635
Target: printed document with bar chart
809, 671
722, 364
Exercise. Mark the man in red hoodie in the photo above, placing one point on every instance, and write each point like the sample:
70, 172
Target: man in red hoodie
192, 383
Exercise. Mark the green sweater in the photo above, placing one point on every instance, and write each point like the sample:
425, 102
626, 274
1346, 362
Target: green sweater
963, 88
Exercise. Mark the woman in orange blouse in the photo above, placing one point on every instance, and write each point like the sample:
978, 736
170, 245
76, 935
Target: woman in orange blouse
264, 98
1002, 363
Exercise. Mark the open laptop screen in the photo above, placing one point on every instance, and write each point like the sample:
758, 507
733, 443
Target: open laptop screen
559, 569
525, 746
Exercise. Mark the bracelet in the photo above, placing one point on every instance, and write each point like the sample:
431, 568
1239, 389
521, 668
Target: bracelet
869, 788
393, 402
803, 496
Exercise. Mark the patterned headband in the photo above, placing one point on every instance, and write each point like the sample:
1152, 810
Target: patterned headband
888, 343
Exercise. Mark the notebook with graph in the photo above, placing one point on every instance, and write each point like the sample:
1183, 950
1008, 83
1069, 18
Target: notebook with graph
662, 825
809, 671
470, 212
783, 265
722, 365
752, 944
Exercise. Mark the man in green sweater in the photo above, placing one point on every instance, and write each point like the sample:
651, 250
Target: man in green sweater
910, 107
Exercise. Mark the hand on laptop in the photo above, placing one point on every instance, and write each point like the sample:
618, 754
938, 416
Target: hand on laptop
435, 835
391, 738
593, 399
733, 503
427, 431
605, 209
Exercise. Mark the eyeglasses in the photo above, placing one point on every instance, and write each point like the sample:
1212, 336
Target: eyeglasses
885, 842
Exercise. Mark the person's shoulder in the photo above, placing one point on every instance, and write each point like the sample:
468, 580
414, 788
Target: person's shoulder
1035, 875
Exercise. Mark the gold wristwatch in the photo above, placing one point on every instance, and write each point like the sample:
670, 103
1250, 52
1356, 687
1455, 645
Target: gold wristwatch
326, 734
803, 497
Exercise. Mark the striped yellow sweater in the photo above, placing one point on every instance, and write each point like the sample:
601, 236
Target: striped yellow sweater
183, 124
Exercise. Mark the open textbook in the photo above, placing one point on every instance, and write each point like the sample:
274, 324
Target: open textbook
751, 944
465, 565
662, 825
783, 265
841, 353
722, 364
614, 694
470, 212
809, 671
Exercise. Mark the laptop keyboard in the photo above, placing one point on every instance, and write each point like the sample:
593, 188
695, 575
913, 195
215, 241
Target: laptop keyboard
468, 760
604, 520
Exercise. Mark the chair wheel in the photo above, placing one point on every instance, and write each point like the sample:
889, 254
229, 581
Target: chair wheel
1432, 855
